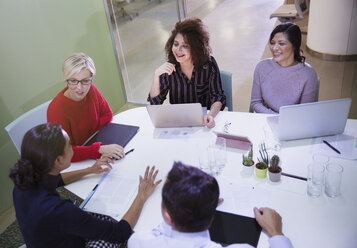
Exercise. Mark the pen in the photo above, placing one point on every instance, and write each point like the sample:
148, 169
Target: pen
293, 176
129, 151
88, 197
126, 153
93, 190
333, 148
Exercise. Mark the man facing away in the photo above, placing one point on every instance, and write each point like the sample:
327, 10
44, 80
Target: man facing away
189, 201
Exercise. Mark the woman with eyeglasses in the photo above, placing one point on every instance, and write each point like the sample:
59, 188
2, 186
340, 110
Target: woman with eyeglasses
82, 110
191, 74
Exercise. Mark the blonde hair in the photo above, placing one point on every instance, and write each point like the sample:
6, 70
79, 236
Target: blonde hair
75, 63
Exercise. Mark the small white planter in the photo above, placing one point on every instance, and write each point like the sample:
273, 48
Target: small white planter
248, 170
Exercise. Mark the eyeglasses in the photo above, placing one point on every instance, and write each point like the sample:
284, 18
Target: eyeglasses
84, 82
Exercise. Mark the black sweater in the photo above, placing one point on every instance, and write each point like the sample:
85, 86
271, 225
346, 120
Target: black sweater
48, 221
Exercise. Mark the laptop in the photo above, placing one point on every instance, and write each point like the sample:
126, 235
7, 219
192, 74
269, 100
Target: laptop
309, 120
176, 115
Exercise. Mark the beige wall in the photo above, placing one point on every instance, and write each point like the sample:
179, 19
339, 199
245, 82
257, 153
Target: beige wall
36, 37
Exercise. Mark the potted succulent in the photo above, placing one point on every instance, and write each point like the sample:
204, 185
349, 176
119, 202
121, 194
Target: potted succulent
262, 166
248, 162
274, 169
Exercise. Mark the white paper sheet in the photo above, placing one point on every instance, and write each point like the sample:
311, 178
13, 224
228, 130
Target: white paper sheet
176, 133
239, 199
345, 143
113, 196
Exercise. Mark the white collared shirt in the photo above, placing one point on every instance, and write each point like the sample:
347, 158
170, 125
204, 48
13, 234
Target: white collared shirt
165, 236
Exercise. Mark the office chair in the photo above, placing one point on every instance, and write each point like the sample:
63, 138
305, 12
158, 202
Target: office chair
25, 122
251, 110
120, 11
291, 12
318, 89
226, 78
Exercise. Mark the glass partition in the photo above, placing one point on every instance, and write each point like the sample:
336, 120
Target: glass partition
140, 29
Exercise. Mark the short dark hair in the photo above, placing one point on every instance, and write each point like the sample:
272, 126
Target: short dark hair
190, 196
293, 33
40, 148
196, 36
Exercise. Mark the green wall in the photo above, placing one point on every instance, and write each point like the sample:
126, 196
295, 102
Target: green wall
36, 37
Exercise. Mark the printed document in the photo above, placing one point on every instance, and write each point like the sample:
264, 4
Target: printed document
114, 196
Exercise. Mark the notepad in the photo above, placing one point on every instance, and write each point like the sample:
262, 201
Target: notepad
113, 133
228, 228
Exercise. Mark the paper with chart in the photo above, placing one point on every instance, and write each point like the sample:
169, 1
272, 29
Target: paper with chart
114, 196
241, 199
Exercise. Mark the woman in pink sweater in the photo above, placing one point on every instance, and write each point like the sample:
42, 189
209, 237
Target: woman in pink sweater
284, 79
81, 109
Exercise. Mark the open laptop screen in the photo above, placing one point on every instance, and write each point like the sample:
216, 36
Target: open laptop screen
310, 119
176, 115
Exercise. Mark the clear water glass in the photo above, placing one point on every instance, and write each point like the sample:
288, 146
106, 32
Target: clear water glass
333, 176
220, 153
315, 179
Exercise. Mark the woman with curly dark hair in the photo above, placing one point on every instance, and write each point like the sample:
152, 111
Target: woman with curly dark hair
191, 74
45, 219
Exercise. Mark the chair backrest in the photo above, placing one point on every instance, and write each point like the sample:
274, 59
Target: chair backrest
302, 7
251, 110
226, 78
25, 122
318, 89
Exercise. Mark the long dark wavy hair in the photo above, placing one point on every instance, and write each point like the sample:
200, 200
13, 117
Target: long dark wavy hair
293, 33
40, 148
196, 36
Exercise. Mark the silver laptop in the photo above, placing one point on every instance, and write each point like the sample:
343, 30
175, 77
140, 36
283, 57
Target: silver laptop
310, 119
176, 115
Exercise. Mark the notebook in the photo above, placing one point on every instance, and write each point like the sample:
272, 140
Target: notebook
228, 228
113, 133
176, 115
310, 119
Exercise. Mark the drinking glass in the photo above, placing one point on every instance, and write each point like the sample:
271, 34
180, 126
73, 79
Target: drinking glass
333, 176
220, 153
315, 179
206, 157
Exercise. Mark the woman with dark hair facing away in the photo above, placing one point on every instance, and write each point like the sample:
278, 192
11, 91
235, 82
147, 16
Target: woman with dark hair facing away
191, 74
81, 109
285, 79
189, 202
45, 219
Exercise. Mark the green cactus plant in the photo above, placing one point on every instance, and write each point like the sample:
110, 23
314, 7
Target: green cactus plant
264, 157
248, 160
274, 164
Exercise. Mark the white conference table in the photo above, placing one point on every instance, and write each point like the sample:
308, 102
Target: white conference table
308, 222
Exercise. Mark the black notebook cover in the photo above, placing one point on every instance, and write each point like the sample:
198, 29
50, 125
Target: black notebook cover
230, 228
113, 133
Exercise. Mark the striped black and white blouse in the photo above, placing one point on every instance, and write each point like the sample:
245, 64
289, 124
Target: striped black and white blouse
205, 86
